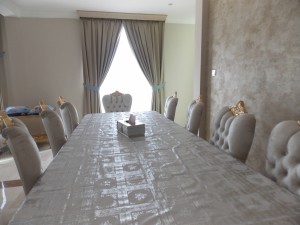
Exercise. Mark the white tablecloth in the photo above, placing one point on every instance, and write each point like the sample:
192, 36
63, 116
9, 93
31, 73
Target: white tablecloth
170, 176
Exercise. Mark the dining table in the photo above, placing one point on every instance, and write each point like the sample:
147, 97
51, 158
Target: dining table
165, 176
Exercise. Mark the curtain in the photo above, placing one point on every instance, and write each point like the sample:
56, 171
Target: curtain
100, 38
146, 41
2, 71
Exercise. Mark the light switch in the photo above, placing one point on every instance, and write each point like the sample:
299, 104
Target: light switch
213, 73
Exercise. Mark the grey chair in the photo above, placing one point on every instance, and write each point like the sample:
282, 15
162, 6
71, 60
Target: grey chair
117, 102
26, 155
69, 115
54, 128
283, 155
194, 116
170, 107
233, 131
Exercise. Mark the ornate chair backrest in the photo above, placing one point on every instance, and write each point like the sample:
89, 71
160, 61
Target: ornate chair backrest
233, 130
69, 115
283, 155
117, 102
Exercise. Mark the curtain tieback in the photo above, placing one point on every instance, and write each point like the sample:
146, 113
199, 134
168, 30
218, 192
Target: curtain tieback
92, 87
157, 87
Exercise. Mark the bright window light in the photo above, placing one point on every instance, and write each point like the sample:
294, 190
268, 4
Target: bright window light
126, 76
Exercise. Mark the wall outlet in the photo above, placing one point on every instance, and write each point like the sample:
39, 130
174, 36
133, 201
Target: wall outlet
213, 73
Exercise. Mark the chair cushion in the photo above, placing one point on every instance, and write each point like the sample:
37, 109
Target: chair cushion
26, 155
283, 155
233, 134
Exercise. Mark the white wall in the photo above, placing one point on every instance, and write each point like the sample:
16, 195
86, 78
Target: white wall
43, 61
179, 66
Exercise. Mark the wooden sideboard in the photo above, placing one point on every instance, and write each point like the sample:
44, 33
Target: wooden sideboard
35, 126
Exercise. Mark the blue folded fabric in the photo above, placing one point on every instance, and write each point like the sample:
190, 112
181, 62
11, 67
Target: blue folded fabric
24, 110
17, 110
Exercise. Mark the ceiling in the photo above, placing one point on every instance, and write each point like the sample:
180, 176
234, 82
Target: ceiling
177, 11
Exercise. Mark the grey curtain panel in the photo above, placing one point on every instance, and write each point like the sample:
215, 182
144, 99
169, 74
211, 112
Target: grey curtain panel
146, 41
100, 38
2, 71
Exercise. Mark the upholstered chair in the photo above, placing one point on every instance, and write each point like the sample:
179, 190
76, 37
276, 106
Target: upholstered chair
283, 155
6, 121
69, 115
54, 128
170, 106
26, 155
194, 115
233, 131
117, 102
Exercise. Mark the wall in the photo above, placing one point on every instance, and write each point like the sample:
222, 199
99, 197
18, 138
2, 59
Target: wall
179, 61
255, 48
44, 61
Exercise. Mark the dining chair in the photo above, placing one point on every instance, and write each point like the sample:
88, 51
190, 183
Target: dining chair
194, 116
69, 115
54, 129
117, 102
233, 130
26, 155
283, 155
6, 121
170, 106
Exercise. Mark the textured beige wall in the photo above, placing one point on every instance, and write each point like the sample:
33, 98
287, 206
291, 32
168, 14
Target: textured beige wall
44, 61
255, 47
179, 66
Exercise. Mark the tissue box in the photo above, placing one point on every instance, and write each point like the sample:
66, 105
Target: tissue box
131, 130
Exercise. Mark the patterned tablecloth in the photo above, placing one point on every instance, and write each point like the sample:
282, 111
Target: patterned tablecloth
170, 176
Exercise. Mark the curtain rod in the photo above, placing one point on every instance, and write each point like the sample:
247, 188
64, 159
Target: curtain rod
123, 16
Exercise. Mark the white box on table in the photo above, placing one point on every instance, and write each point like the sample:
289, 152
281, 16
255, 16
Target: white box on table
131, 130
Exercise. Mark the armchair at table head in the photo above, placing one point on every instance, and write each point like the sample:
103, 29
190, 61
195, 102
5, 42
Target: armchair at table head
54, 128
233, 130
69, 115
283, 155
117, 102
170, 106
194, 115
25, 153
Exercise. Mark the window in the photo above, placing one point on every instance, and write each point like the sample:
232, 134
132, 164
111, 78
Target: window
126, 76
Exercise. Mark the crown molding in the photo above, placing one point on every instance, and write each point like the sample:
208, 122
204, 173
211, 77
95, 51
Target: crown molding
123, 16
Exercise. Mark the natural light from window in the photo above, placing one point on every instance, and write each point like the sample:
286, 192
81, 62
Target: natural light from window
126, 76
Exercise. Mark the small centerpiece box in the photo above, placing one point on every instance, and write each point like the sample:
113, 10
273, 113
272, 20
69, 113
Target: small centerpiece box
131, 127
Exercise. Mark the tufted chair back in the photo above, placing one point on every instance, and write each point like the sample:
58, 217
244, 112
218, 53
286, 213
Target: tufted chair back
233, 133
117, 102
170, 107
194, 115
283, 155
69, 115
